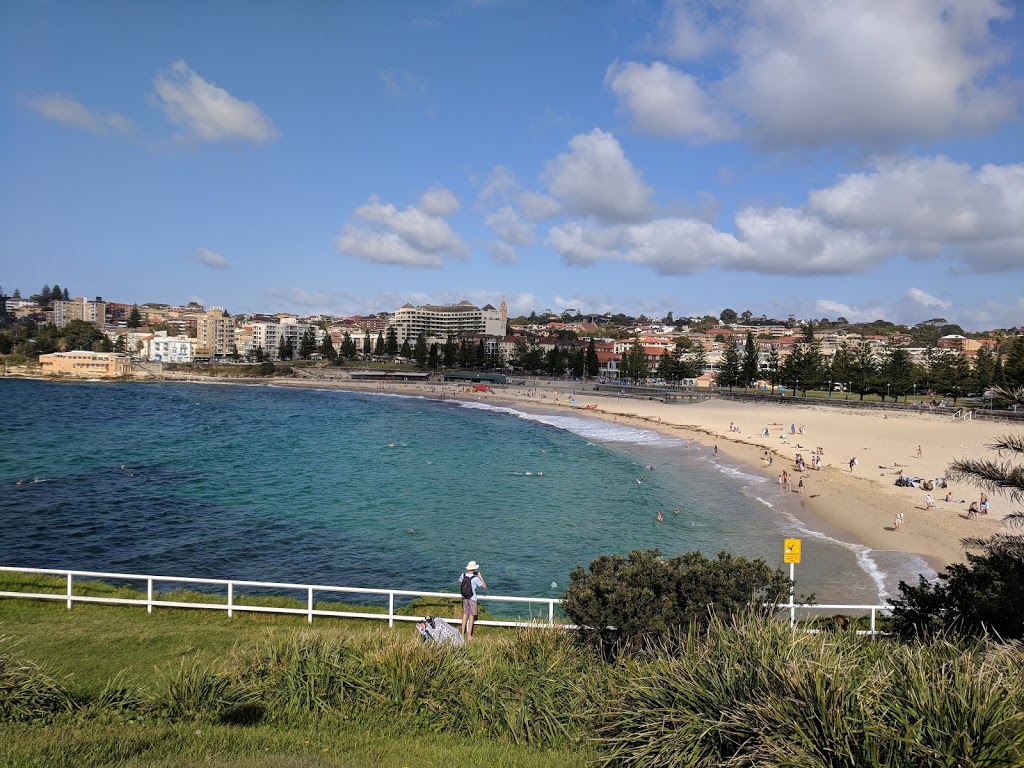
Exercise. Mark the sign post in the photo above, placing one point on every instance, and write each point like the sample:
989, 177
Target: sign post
791, 555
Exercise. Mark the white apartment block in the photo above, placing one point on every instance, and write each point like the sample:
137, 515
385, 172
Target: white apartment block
268, 336
437, 323
80, 308
171, 349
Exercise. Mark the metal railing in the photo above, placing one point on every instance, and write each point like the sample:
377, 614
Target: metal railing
231, 605
152, 600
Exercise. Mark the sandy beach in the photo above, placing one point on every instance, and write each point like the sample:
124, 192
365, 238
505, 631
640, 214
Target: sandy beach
861, 504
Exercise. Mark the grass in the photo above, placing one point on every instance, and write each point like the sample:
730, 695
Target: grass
110, 685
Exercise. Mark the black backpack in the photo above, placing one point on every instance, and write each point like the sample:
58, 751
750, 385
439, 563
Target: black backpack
466, 586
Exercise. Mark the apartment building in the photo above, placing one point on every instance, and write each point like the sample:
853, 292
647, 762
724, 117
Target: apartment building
171, 349
269, 335
215, 333
437, 323
80, 308
91, 365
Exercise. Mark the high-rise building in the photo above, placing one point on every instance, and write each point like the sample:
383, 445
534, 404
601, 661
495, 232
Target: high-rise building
437, 323
80, 308
215, 333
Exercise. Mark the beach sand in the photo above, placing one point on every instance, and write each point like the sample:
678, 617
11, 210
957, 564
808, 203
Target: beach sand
860, 505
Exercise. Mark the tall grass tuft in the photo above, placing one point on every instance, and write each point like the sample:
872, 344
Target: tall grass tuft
27, 694
535, 687
195, 691
304, 675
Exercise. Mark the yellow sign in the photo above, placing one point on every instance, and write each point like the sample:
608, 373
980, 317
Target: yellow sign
791, 553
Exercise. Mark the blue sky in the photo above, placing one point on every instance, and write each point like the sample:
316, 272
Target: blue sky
857, 158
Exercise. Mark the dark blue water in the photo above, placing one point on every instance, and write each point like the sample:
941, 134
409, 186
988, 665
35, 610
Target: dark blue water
310, 486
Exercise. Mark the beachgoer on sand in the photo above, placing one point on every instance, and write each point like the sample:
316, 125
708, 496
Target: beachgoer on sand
469, 583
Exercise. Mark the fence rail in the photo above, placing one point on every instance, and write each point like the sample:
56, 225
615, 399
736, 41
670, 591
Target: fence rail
231, 605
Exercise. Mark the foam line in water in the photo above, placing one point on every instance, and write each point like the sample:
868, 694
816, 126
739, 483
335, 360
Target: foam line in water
591, 429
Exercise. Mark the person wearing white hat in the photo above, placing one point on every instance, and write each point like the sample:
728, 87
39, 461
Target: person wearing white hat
469, 583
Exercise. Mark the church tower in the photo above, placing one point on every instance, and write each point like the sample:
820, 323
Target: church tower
504, 314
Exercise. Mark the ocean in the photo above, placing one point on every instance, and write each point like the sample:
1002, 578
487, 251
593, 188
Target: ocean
362, 489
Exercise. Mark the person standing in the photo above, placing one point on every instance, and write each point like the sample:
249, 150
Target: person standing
469, 583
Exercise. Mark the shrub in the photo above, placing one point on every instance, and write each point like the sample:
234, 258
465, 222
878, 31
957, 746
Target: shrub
28, 694
642, 597
984, 596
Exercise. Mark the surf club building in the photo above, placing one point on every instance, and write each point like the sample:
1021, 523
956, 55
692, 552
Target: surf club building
437, 323
92, 365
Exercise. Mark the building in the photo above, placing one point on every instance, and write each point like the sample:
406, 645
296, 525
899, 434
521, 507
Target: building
215, 334
171, 349
437, 323
91, 365
80, 308
269, 335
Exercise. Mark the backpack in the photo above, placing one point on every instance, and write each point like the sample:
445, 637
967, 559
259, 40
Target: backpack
466, 586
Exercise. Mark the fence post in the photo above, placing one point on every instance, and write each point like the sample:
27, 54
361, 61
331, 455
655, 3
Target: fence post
872, 622
231, 599
391, 609
149, 595
309, 605
71, 580
551, 613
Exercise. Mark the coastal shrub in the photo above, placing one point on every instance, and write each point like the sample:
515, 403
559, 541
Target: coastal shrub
624, 600
983, 596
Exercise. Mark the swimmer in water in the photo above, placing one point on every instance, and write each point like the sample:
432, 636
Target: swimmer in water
411, 530
660, 518
675, 511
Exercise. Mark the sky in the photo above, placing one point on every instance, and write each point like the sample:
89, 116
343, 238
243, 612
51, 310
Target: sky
853, 158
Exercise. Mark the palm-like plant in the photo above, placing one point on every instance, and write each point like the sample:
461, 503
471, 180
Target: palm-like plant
1004, 476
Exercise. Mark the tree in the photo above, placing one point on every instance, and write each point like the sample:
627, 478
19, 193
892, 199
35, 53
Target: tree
464, 357
728, 316
639, 368
282, 349
234, 353
750, 365
841, 369
406, 350
391, 345
367, 343
260, 354
619, 599
555, 362
1013, 368
307, 344
433, 357
135, 317
451, 352
593, 364
378, 347
774, 367
984, 370
898, 371
952, 375
731, 368
421, 350
864, 370
666, 367
327, 348
700, 359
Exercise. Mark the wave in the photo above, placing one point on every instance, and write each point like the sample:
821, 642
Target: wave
593, 430
739, 474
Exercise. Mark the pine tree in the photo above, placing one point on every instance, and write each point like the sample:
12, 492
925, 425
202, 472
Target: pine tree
433, 357
1013, 368
367, 343
451, 352
864, 369
282, 348
984, 370
307, 344
421, 350
700, 359
378, 348
750, 366
135, 317
774, 366
405, 351
391, 345
593, 364
731, 368
327, 348
898, 371
666, 367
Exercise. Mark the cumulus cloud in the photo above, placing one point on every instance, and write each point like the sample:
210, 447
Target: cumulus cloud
64, 109
411, 237
498, 186
537, 206
439, 202
596, 179
835, 309
868, 72
507, 224
210, 259
666, 102
502, 253
926, 299
208, 112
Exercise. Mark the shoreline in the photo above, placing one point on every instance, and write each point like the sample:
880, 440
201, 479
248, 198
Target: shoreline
858, 506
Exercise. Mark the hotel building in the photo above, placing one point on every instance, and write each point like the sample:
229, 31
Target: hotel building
437, 323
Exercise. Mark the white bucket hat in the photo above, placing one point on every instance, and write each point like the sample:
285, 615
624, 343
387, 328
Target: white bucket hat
472, 565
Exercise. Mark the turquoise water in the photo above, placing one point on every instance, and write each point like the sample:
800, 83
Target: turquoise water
312, 486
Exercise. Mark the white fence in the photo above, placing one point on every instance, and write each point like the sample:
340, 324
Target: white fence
544, 617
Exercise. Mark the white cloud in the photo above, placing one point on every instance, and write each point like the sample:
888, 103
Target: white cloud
499, 185
834, 309
210, 259
439, 202
502, 253
666, 102
926, 299
301, 297
509, 227
411, 237
681, 246
64, 109
595, 179
537, 207
208, 112
868, 72
582, 245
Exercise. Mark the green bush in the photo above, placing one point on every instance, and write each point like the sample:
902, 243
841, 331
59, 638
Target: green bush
623, 600
985, 596
27, 694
